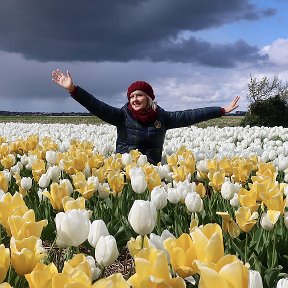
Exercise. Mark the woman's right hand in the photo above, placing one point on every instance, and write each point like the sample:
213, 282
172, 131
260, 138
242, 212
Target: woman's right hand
63, 80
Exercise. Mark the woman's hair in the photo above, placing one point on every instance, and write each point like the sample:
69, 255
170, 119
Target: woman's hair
151, 103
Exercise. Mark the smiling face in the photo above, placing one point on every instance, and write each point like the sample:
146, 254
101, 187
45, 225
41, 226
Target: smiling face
138, 100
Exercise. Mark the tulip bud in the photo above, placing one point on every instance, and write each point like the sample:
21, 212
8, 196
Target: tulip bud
106, 251
138, 180
97, 229
142, 217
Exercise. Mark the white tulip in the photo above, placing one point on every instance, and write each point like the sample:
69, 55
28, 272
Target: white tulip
96, 272
142, 160
255, 280
94, 180
234, 201
104, 190
68, 185
157, 241
283, 163
72, 227
228, 190
269, 219
173, 195
282, 283
194, 202
159, 197
2, 193
286, 219
138, 180
142, 217
26, 183
106, 251
51, 157
126, 159
54, 172
44, 181
97, 229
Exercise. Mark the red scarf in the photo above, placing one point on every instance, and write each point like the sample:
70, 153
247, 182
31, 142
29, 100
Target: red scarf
144, 117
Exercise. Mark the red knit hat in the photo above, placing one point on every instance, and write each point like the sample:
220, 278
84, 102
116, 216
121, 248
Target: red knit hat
143, 86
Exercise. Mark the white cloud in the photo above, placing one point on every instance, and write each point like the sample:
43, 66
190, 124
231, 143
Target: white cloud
277, 51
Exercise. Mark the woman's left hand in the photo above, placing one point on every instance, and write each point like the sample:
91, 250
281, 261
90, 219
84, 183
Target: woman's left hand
233, 105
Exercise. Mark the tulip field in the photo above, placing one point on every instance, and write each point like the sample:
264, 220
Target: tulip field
212, 214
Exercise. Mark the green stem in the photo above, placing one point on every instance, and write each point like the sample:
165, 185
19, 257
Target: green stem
246, 247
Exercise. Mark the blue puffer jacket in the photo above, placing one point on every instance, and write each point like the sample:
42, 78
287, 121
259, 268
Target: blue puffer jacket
131, 134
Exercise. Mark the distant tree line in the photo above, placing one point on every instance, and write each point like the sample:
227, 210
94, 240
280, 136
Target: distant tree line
8, 113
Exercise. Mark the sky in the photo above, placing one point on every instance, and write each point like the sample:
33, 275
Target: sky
194, 53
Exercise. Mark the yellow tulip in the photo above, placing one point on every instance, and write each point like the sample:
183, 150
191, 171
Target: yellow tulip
172, 160
182, 254
228, 272
76, 264
115, 280
274, 200
152, 177
87, 190
4, 183
180, 173
96, 161
201, 189
70, 203
245, 219
229, 225
116, 181
135, 154
247, 197
101, 173
41, 276
11, 205
80, 160
135, 245
208, 242
8, 161
5, 285
25, 254
4, 262
241, 170
190, 163
216, 178
25, 226
78, 178
152, 270
38, 168
57, 193
113, 164
226, 165
62, 280
212, 165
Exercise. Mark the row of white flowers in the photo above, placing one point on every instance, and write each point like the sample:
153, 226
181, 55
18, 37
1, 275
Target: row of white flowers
270, 144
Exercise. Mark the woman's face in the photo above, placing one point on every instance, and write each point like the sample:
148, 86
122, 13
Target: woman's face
138, 100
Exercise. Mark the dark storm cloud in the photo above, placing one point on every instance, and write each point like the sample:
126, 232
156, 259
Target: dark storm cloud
125, 30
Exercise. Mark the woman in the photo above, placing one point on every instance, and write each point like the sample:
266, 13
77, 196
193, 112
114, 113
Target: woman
141, 124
